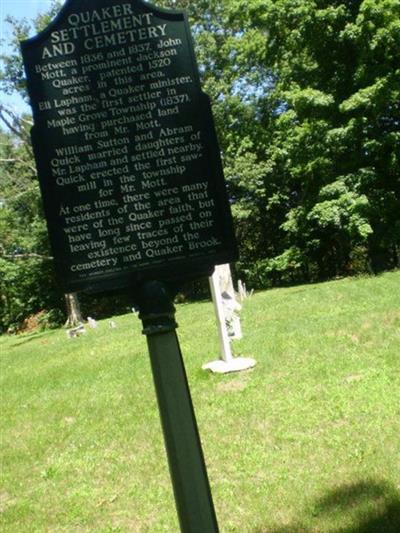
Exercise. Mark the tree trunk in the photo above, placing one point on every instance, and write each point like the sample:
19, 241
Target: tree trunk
73, 310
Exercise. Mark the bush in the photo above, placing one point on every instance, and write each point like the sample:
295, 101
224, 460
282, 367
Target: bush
27, 287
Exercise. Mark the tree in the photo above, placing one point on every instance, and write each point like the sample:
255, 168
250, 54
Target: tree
28, 283
26, 278
333, 176
234, 73
306, 97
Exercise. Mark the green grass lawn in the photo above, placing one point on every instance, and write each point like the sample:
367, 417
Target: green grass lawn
308, 441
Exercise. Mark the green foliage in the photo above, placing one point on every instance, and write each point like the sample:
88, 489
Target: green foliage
306, 98
12, 76
25, 290
285, 269
26, 275
334, 142
27, 283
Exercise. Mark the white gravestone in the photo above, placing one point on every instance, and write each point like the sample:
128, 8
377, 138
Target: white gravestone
92, 322
230, 304
228, 321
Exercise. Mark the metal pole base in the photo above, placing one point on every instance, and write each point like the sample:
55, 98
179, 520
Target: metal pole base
187, 467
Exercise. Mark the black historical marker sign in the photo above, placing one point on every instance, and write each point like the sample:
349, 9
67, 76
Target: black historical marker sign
125, 147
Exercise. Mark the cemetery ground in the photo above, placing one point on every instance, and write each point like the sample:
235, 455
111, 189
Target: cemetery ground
308, 441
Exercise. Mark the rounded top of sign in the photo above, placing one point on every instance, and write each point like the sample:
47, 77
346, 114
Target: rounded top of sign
78, 5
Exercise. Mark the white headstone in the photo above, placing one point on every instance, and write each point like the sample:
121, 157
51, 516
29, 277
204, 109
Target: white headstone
92, 322
228, 321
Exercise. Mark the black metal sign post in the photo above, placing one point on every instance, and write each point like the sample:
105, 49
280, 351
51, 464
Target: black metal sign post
132, 185
188, 472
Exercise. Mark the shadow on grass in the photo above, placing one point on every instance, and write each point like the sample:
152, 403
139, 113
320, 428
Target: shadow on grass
364, 507
28, 337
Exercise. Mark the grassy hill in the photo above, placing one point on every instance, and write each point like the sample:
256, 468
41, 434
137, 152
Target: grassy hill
308, 441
